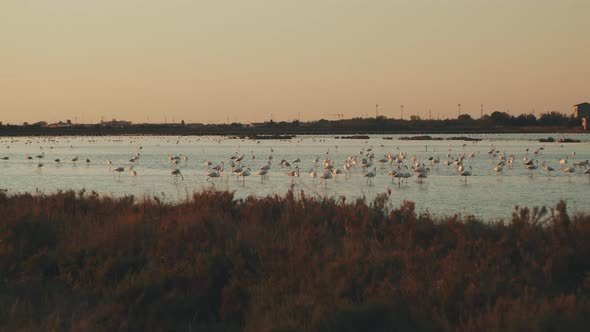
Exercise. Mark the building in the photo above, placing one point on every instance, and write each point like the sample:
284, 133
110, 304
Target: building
582, 112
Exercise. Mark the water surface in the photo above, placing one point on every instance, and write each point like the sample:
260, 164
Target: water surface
444, 192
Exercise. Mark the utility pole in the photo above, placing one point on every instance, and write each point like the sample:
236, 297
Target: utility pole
430, 114
459, 110
376, 111
481, 111
402, 111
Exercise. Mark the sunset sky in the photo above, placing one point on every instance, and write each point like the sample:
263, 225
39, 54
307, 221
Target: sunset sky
214, 61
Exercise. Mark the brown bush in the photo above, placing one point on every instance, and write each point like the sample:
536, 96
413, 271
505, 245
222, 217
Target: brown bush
78, 261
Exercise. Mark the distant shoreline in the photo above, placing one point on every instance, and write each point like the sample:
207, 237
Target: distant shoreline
222, 130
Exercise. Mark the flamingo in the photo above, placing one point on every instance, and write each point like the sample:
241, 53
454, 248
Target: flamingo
243, 174
337, 172
466, 173
212, 174
531, 167
547, 168
293, 173
313, 174
325, 176
262, 173
176, 173
582, 163
393, 173
498, 170
133, 173
370, 175
218, 168
405, 174
118, 170
569, 171
423, 174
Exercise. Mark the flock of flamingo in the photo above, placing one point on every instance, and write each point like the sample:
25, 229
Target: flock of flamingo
399, 166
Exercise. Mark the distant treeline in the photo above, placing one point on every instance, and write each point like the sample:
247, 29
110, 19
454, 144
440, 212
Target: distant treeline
79, 262
496, 122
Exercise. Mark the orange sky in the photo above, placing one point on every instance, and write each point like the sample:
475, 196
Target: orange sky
210, 61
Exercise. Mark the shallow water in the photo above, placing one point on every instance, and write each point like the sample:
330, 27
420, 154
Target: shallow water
444, 192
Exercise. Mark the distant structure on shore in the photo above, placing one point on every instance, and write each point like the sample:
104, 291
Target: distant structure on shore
59, 124
582, 111
116, 123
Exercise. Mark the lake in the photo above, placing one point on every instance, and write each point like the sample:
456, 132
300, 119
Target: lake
485, 194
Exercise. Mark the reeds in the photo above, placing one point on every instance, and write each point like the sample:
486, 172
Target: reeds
80, 261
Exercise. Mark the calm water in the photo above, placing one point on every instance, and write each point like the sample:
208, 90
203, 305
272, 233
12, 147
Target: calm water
444, 192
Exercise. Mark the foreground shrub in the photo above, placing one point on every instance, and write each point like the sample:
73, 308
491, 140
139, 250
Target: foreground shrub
78, 261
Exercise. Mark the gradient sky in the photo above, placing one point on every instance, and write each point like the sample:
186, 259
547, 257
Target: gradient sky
210, 61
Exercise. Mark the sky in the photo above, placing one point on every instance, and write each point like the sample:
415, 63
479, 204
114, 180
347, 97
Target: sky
249, 61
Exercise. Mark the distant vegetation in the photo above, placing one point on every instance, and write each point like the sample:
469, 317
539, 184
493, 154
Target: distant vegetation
496, 122
77, 261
